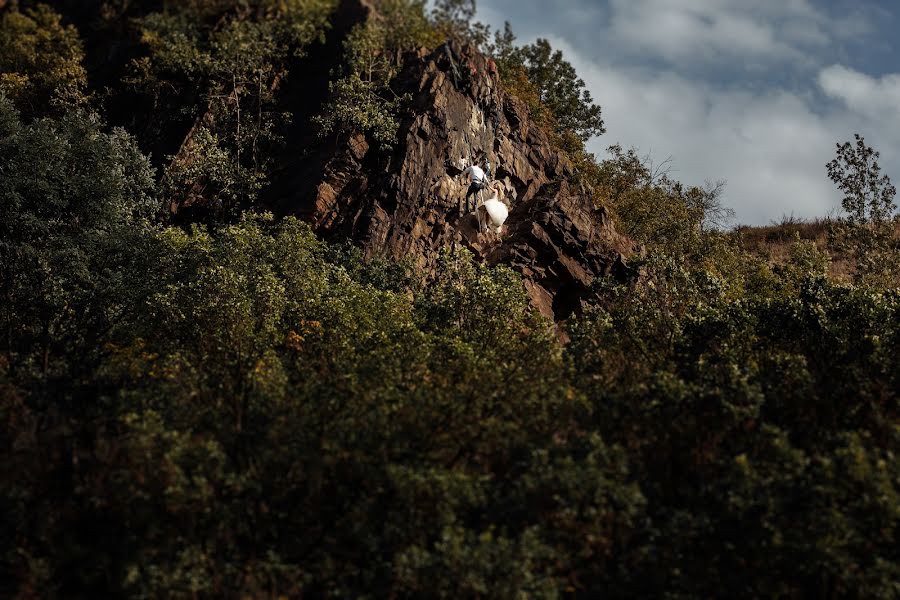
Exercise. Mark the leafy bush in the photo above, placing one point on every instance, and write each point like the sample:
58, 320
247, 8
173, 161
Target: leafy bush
362, 99
75, 210
453, 19
348, 416
356, 106
745, 420
40, 61
233, 54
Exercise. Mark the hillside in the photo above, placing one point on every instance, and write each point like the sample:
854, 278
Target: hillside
251, 346
774, 242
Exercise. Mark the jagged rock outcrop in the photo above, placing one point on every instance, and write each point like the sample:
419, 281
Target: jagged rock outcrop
405, 201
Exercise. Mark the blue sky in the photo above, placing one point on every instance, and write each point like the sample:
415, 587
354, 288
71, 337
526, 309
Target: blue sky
755, 92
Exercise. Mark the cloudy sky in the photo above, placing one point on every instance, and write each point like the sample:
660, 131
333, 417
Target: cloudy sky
755, 92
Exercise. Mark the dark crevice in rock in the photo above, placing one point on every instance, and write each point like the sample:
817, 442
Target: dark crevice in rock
304, 93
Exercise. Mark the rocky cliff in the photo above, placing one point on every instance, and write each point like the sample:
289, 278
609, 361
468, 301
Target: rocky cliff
405, 201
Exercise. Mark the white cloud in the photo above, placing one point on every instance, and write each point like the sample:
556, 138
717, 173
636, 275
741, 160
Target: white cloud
875, 98
717, 30
770, 145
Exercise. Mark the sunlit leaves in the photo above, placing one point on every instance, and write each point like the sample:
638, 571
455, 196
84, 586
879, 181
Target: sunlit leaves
40, 61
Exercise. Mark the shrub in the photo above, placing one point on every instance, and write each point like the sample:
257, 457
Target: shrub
40, 61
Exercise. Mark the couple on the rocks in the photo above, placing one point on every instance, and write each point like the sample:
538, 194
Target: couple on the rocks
491, 213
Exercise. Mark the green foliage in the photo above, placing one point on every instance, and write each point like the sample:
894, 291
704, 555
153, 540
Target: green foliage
362, 100
453, 19
868, 232
747, 420
869, 195
406, 26
211, 173
516, 80
553, 92
40, 61
656, 210
280, 417
356, 106
235, 54
74, 203
269, 407
561, 90
651, 208
366, 53
554, 82
75, 255
805, 260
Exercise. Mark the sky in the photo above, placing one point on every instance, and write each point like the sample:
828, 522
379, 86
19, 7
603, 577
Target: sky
753, 92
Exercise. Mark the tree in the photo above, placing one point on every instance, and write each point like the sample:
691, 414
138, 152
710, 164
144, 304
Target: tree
556, 97
868, 195
356, 106
233, 55
561, 90
406, 26
651, 207
867, 234
75, 204
455, 19
761, 429
515, 79
40, 61
707, 201
362, 100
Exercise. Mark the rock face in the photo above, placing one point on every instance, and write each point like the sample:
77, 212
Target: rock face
405, 201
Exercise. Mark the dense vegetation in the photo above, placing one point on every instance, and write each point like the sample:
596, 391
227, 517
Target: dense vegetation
238, 409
